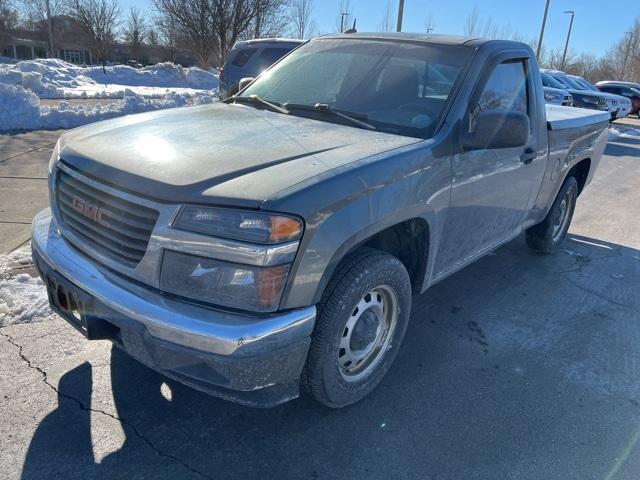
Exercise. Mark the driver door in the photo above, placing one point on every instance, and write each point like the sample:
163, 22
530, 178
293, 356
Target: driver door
491, 188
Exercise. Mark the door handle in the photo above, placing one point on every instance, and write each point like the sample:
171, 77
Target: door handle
528, 155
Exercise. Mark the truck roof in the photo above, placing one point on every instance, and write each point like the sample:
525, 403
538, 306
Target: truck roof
254, 41
421, 37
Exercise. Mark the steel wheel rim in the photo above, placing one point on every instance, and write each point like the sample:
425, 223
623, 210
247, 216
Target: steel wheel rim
562, 220
374, 317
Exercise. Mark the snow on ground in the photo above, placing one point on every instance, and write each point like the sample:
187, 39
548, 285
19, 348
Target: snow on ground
54, 78
164, 85
23, 298
615, 133
20, 108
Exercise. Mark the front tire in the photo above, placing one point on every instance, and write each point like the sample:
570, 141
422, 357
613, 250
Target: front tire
362, 320
546, 236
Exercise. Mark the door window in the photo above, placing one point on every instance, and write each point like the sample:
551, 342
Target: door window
506, 89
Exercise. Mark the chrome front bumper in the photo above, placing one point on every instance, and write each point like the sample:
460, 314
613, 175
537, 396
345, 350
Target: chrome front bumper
217, 338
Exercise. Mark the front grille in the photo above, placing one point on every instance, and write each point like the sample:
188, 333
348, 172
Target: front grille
602, 101
115, 227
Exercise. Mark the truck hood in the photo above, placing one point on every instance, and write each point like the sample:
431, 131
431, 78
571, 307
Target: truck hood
224, 154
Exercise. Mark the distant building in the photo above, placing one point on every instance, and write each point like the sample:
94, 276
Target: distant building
26, 44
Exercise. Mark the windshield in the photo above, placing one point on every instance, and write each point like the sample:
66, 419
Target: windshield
549, 81
397, 87
585, 83
562, 81
570, 82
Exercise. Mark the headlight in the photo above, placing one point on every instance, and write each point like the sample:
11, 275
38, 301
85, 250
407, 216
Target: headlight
219, 281
222, 283
242, 225
589, 99
552, 97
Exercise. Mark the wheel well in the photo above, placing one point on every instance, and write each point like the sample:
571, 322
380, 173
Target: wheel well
581, 171
408, 242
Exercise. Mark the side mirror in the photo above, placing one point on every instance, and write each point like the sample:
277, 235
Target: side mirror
244, 82
497, 129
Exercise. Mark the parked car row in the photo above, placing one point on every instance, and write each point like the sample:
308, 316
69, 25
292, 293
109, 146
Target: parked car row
618, 98
628, 90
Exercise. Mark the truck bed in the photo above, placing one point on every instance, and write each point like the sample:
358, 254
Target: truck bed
562, 118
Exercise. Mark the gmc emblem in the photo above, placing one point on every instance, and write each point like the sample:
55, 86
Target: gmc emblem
90, 210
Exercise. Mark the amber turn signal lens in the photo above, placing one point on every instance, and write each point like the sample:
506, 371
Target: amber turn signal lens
284, 228
271, 284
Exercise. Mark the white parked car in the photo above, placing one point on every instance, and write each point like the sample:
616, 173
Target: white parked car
623, 103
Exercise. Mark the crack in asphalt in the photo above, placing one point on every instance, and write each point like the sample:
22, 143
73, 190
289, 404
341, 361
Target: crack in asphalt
85, 408
599, 295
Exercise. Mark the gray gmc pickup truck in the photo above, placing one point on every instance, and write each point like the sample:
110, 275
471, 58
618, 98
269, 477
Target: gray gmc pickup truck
271, 244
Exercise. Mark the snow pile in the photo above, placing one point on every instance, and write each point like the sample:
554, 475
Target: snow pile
615, 133
20, 109
23, 298
54, 78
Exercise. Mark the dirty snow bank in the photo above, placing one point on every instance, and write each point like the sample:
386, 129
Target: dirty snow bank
23, 298
20, 108
54, 78
624, 133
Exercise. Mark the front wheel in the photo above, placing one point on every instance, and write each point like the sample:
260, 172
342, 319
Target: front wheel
546, 236
362, 320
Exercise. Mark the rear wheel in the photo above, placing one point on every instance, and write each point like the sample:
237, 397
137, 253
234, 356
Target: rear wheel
362, 320
546, 236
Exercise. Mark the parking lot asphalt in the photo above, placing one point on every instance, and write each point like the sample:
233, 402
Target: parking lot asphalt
520, 366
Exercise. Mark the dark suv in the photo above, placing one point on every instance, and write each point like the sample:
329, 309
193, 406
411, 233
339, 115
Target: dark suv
624, 89
249, 58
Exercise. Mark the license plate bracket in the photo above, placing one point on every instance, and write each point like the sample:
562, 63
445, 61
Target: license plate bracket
77, 307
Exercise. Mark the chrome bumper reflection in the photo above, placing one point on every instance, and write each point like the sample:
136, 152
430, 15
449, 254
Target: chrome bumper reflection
181, 323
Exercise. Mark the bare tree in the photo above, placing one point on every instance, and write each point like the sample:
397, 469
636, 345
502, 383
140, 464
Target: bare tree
429, 22
476, 26
211, 27
553, 60
471, 23
46, 13
152, 36
135, 32
232, 20
301, 11
270, 18
386, 22
192, 20
8, 21
98, 20
343, 20
169, 37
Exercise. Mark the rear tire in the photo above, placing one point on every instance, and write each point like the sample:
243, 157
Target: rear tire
546, 236
361, 323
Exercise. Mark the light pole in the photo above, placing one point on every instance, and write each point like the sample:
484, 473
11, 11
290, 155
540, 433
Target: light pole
342, 15
544, 23
566, 44
400, 12
626, 55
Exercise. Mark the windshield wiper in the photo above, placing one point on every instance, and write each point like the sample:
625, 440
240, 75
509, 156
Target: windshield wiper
256, 100
324, 108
